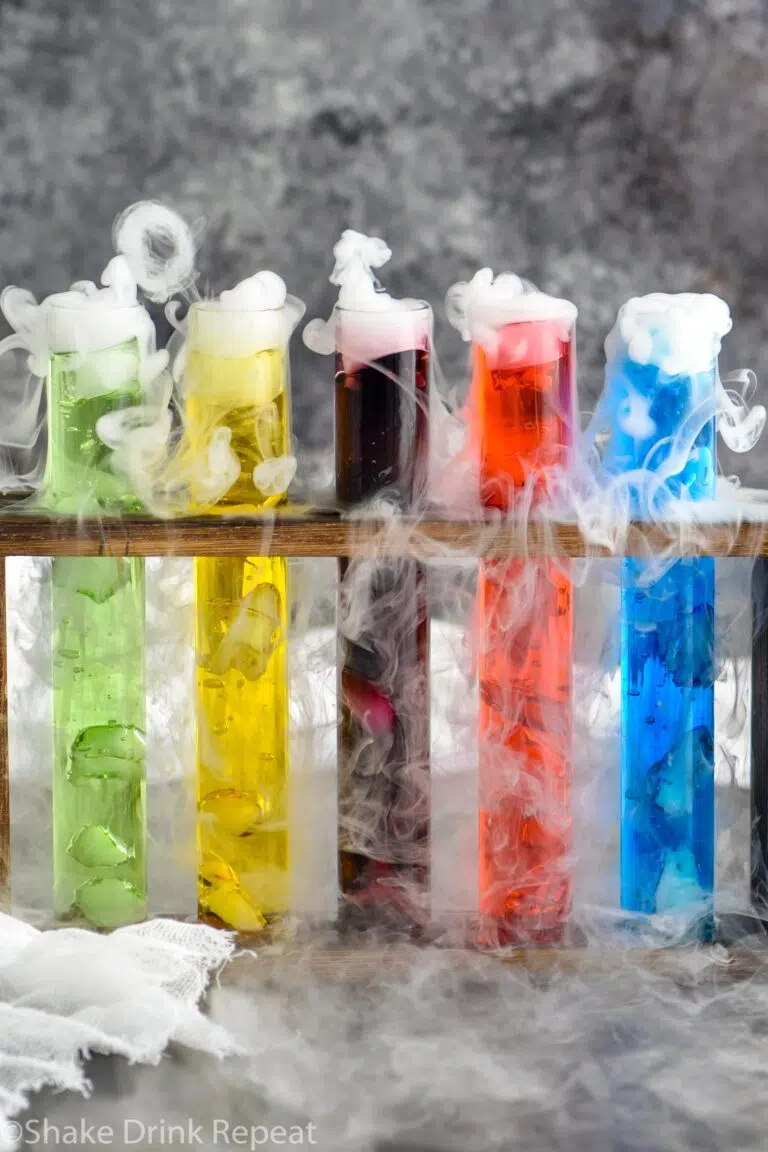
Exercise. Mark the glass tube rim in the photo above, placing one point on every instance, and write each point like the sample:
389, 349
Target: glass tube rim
76, 310
215, 307
416, 307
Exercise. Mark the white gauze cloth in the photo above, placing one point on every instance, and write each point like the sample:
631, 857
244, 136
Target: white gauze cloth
68, 992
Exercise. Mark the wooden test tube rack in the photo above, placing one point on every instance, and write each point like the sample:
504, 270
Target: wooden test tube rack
321, 532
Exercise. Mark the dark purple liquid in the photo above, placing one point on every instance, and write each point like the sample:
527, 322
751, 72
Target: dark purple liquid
381, 449
382, 429
384, 736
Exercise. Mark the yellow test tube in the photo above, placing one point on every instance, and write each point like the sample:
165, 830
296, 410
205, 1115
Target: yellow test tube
236, 377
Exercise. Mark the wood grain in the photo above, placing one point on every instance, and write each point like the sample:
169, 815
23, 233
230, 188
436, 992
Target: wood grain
320, 533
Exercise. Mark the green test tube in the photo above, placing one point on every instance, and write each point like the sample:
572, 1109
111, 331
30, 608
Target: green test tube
99, 783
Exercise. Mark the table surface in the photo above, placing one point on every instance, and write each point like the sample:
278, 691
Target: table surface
396, 1048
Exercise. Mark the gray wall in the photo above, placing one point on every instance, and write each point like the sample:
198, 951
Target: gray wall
602, 148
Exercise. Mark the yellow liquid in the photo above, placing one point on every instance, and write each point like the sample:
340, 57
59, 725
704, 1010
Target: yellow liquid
248, 396
241, 626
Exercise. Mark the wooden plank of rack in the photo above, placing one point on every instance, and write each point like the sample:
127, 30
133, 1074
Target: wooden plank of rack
323, 534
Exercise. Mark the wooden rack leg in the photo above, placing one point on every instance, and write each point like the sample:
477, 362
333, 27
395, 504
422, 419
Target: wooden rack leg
5, 824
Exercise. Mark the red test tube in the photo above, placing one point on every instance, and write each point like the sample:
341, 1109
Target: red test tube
522, 406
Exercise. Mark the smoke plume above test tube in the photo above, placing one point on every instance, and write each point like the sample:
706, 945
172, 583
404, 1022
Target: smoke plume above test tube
382, 347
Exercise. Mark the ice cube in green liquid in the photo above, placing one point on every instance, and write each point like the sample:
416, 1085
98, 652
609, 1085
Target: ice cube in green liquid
107, 752
96, 847
111, 902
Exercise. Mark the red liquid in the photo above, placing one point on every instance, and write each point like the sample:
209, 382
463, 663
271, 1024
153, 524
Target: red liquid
521, 418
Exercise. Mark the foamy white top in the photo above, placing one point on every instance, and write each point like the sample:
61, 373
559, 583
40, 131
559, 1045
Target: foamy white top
480, 307
363, 336
366, 322
254, 316
86, 320
682, 334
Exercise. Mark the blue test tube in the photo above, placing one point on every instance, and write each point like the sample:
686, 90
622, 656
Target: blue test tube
659, 410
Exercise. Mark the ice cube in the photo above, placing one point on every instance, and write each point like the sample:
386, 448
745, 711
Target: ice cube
268, 427
107, 752
232, 906
678, 886
111, 902
252, 637
94, 846
272, 477
672, 780
214, 870
234, 812
98, 578
222, 896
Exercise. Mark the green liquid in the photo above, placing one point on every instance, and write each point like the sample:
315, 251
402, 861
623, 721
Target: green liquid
83, 387
99, 785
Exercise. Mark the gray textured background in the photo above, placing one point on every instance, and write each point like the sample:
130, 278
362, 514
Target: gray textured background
600, 147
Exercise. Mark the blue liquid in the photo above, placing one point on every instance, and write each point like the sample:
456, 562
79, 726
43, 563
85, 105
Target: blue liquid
645, 410
668, 719
668, 639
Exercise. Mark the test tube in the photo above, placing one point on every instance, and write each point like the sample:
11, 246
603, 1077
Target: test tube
521, 412
382, 378
99, 783
660, 405
236, 378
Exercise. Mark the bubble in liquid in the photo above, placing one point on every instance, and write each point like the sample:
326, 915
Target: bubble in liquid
96, 847
107, 752
109, 902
